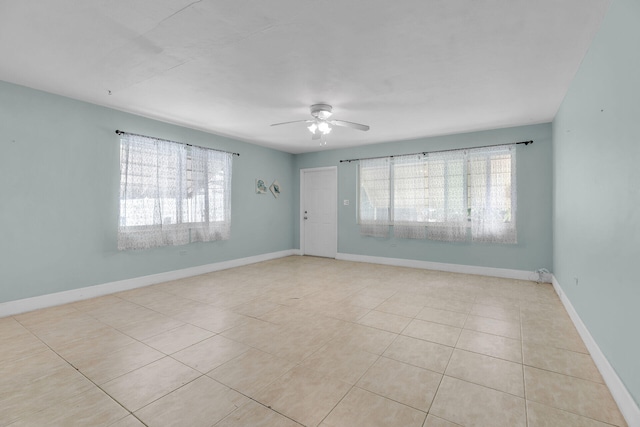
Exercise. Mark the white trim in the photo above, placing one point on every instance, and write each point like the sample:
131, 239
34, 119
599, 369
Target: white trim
49, 300
302, 171
302, 203
440, 266
626, 403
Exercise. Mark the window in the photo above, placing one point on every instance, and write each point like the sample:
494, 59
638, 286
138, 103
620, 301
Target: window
451, 195
172, 194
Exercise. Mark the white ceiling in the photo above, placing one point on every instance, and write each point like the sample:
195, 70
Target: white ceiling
407, 68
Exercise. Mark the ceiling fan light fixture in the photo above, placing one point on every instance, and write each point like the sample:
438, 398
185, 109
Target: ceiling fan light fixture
324, 127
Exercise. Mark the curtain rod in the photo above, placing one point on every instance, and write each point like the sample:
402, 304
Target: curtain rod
120, 132
437, 151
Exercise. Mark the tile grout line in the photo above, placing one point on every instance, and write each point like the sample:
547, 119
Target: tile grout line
435, 395
83, 375
361, 376
140, 367
524, 383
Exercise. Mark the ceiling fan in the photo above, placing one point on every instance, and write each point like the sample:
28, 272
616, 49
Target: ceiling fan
320, 124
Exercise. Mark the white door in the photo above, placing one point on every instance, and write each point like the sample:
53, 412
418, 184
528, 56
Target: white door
318, 202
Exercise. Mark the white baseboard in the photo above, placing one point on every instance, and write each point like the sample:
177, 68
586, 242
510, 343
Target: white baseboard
49, 300
440, 266
626, 403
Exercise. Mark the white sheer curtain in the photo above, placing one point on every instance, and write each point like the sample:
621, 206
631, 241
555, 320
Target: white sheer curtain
374, 196
492, 194
208, 207
410, 197
447, 196
172, 194
447, 205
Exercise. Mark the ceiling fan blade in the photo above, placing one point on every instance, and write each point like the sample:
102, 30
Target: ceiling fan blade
295, 121
316, 135
349, 125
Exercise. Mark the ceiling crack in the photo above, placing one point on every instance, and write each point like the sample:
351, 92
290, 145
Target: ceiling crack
178, 11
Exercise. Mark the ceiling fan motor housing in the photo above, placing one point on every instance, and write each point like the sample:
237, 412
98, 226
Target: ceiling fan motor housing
321, 111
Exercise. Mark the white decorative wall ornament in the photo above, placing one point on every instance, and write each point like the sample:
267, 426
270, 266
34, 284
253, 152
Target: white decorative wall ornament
275, 188
261, 187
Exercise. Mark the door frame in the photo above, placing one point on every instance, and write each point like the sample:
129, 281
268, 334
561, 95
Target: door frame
302, 203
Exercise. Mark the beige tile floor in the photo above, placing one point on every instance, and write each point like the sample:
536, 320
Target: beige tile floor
305, 341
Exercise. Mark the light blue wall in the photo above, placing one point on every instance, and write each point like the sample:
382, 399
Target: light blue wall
596, 147
534, 180
59, 184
